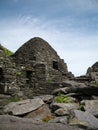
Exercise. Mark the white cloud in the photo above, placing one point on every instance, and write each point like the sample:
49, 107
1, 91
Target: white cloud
82, 5
78, 51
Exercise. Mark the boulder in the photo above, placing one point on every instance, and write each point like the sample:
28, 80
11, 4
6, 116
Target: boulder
15, 123
94, 97
65, 106
4, 100
88, 90
61, 112
92, 72
23, 107
63, 120
84, 119
40, 113
69, 86
82, 90
72, 83
7, 119
46, 98
64, 90
3, 96
73, 94
93, 76
91, 106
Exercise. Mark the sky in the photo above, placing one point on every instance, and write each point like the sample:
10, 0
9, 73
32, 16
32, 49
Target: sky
69, 26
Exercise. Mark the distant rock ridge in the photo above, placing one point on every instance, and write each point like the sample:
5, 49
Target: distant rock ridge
92, 72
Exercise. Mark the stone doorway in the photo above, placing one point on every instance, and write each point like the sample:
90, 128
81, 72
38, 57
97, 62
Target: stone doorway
1, 75
28, 76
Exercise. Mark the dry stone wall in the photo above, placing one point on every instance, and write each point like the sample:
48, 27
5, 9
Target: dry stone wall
32, 68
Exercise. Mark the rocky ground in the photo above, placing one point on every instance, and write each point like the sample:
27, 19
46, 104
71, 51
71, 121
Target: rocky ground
74, 106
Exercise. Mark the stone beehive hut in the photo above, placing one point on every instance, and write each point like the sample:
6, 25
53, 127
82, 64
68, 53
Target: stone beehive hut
41, 61
34, 65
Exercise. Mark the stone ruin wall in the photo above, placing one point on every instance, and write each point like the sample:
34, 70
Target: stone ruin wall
43, 55
32, 70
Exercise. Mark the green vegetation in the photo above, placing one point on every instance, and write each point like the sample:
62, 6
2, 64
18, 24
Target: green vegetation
81, 107
95, 84
49, 81
18, 73
7, 52
62, 99
15, 99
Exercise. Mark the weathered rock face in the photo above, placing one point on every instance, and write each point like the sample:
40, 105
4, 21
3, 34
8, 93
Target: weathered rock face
91, 106
40, 113
85, 120
92, 72
91, 76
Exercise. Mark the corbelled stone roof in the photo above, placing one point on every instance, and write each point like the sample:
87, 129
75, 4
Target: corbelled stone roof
36, 48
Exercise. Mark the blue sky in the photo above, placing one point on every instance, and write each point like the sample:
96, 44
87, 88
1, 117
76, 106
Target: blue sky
70, 26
